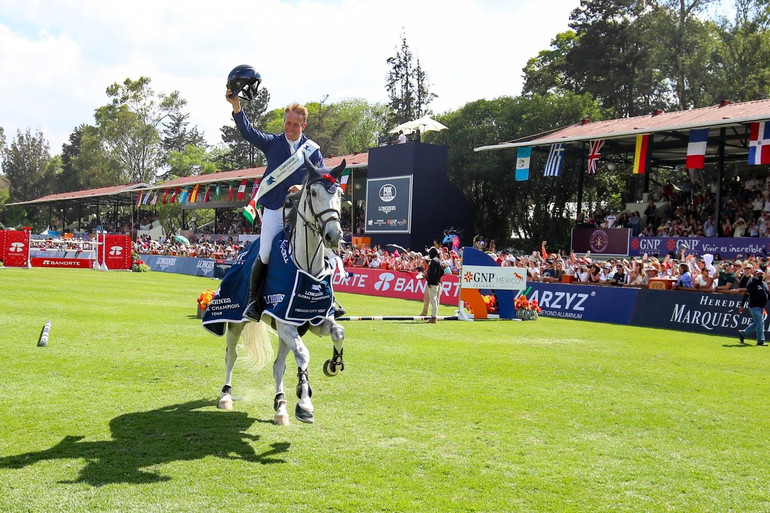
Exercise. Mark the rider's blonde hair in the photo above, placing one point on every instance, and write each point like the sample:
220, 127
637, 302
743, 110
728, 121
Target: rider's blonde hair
297, 108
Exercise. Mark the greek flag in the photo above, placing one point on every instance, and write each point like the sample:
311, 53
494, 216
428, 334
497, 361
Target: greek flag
555, 159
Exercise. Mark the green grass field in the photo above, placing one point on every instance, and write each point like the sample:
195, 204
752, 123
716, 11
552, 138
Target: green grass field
119, 413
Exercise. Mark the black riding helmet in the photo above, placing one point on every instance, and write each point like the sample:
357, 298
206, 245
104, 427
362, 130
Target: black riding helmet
245, 80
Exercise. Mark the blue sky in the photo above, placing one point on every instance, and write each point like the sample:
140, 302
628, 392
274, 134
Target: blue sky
58, 57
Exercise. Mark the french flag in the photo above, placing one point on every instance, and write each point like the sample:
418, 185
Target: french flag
696, 149
759, 145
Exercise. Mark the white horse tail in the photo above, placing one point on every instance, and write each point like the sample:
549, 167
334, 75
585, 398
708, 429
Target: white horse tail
258, 344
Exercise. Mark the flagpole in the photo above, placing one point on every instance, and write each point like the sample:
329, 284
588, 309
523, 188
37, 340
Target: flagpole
583, 157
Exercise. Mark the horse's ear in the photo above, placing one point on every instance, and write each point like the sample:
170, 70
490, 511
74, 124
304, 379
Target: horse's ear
337, 171
313, 172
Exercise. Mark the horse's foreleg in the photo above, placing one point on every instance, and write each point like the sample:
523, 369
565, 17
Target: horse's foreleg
335, 364
231, 355
289, 335
281, 417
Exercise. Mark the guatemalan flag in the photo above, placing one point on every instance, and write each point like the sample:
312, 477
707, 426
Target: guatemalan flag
759, 146
555, 160
523, 157
696, 149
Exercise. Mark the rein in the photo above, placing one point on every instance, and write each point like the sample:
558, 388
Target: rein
313, 227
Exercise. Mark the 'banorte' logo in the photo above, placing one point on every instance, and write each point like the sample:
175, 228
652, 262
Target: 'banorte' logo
16, 247
383, 283
116, 250
388, 192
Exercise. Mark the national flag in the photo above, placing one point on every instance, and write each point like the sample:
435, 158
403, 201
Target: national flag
218, 195
696, 149
344, 179
138, 199
155, 197
165, 195
640, 155
555, 160
146, 199
523, 158
759, 145
206, 196
185, 195
194, 194
241, 191
594, 154
230, 191
174, 195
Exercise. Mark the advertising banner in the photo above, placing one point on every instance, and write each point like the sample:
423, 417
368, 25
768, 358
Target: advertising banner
395, 284
389, 205
2, 245
16, 248
494, 278
73, 263
584, 302
612, 241
115, 251
727, 248
702, 312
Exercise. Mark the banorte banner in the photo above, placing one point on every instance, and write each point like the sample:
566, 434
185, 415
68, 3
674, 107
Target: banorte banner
115, 250
15, 251
396, 284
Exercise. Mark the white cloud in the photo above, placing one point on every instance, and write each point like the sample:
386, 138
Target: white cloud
57, 58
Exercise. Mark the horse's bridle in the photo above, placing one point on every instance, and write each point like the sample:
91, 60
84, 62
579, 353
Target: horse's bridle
318, 226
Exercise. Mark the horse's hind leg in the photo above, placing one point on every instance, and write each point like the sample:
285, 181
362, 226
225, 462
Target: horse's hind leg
233, 334
281, 417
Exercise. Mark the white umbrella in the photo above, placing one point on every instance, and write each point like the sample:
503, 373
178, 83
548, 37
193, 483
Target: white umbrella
423, 124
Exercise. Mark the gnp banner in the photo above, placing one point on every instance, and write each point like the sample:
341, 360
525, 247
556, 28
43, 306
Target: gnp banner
726, 248
16, 248
389, 205
494, 278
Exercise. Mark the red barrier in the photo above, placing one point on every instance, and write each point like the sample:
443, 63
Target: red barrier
15, 248
115, 251
396, 284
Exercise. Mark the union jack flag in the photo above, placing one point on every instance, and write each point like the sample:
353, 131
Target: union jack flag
594, 154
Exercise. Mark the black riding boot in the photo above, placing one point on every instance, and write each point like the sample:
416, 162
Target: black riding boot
338, 310
258, 271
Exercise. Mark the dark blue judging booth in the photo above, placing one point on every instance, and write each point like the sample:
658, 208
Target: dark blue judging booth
410, 200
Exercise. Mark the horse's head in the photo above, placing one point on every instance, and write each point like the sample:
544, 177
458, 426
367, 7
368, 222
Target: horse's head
321, 202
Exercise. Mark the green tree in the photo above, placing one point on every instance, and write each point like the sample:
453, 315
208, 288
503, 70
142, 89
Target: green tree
191, 161
742, 55
242, 154
407, 85
537, 209
86, 164
27, 166
130, 127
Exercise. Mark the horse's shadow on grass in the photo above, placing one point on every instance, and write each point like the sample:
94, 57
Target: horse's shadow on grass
144, 440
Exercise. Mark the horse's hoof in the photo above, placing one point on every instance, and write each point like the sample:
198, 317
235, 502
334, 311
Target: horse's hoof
225, 403
330, 369
281, 413
281, 419
304, 415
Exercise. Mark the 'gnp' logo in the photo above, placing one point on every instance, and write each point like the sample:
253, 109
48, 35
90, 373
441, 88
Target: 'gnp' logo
383, 283
116, 250
16, 247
